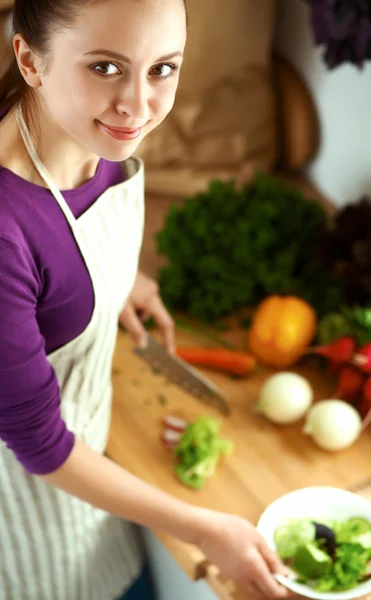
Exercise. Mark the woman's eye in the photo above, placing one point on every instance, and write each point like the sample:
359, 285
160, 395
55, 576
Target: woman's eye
105, 69
164, 71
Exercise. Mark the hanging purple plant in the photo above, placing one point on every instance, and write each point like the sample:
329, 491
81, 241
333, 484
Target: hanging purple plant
344, 27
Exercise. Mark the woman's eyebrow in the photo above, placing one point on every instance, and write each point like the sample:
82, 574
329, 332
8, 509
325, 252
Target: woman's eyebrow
122, 57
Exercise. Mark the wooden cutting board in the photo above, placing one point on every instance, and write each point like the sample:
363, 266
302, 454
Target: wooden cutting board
268, 461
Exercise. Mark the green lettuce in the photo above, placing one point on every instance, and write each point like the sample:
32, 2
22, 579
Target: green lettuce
199, 451
347, 570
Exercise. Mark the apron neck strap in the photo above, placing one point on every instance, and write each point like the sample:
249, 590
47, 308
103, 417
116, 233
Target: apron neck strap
39, 165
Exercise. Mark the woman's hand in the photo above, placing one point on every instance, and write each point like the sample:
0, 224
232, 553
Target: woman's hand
145, 302
234, 545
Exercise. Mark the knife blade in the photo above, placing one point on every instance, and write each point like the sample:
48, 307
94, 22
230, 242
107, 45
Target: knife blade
182, 374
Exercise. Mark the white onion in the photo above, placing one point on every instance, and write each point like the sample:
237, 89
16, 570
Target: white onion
285, 398
333, 424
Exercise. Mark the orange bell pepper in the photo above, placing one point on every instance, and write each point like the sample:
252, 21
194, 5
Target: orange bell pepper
281, 329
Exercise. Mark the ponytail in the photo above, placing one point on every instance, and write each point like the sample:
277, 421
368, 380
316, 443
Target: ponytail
13, 87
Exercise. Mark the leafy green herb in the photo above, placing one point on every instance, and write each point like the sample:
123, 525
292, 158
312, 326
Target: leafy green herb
199, 451
347, 321
347, 570
230, 248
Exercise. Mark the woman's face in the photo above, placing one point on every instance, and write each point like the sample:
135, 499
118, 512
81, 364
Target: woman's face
112, 78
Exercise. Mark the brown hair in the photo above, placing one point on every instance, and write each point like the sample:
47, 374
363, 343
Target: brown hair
36, 20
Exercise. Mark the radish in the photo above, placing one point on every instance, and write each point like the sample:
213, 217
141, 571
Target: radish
364, 405
362, 358
170, 438
350, 384
174, 423
338, 353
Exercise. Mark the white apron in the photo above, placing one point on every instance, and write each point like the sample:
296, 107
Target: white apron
52, 545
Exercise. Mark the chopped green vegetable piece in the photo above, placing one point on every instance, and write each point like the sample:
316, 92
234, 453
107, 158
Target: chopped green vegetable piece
290, 536
349, 566
311, 562
343, 569
350, 530
162, 399
326, 583
191, 480
364, 540
199, 450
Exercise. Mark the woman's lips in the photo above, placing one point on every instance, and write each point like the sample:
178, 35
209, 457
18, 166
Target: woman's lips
121, 133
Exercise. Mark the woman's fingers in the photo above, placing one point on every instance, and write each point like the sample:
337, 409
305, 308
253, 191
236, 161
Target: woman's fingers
164, 320
273, 561
130, 320
133, 322
262, 578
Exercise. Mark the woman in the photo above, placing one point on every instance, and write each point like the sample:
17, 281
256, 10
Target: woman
90, 79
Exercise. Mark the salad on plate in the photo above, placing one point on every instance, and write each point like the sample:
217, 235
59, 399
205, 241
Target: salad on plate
326, 555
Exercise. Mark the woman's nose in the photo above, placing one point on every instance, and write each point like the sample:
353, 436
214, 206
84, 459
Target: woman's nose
134, 101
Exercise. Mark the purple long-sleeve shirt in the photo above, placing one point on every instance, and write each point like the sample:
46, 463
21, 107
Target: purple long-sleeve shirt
46, 300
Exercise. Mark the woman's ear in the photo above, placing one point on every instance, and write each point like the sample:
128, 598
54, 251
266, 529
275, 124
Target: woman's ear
27, 62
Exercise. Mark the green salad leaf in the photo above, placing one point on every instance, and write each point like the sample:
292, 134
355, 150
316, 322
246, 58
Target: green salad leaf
290, 536
350, 530
302, 545
199, 450
347, 570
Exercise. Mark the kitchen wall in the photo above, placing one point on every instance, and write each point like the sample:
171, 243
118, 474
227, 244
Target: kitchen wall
342, 169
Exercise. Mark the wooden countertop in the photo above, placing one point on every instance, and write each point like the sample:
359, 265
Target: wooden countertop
268, 461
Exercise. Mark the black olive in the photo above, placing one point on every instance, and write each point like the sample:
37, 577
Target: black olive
328, 536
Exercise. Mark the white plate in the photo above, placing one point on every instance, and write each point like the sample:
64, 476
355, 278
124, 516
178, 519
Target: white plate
315, 503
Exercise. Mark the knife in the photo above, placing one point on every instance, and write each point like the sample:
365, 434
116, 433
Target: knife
182, 374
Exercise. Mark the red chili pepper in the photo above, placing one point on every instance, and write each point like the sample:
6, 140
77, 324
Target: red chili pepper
350, 383
364, 406
362, 358
338, 352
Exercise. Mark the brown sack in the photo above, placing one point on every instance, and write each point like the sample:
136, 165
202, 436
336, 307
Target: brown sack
223, 123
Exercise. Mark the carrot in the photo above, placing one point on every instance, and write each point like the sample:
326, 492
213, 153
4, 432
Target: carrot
229, 361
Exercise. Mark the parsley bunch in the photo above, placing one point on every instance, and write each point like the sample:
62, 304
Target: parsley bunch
230, 248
